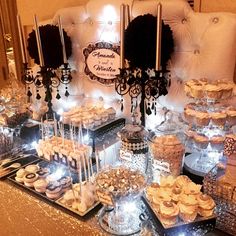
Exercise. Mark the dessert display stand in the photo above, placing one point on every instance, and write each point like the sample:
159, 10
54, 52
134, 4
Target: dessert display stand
209, 121
100, 133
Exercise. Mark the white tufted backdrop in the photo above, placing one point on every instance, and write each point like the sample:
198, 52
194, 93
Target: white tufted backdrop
205, 43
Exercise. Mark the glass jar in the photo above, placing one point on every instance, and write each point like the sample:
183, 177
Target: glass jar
166, 148
6, 140
134, 147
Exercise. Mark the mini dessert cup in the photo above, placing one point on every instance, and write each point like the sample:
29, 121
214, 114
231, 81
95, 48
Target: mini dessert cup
201, 141
217, 142
202, 118
218, 118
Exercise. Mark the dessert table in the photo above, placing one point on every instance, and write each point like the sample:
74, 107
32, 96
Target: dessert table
25, 214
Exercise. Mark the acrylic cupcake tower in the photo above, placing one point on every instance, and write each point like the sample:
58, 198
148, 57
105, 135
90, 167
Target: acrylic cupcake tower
209, 121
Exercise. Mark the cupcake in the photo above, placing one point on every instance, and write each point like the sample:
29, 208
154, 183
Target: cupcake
213, 91
167, 181
188, 207
151, 190
202, 118
197, 91
176, 193
189, 115
182, 181
187, 89
168, 213
227, 88
206, 205
189, 137
231, 116
187, 213
201, 141
217, 142
163, 194
192, 189
218, 118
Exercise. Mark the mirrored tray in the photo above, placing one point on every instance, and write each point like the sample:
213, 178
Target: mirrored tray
42, 164
56, 201
200, 226
22, 159
59, 202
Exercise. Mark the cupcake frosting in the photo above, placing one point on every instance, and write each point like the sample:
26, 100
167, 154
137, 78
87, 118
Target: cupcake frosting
205, 201
189, 200
169, 208
192, 188
189, 209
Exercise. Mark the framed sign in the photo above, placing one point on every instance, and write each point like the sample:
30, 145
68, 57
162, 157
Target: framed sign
102, 62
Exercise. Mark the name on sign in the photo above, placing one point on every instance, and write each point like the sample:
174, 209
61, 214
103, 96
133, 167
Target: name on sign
102, 62
161, 166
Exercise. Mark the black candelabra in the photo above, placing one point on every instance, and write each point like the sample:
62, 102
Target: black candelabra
149, 84
48, 79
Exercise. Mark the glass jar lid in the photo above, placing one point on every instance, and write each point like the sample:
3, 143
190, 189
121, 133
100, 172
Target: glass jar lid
133, 132
168, 127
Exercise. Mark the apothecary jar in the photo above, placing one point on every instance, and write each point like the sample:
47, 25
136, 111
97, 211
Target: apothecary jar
166, 146
134, 147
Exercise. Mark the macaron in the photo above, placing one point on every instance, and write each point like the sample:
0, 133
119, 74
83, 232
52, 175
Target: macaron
65, 182
29, 179
40, 185
53, 190
32, 168
20, 175
43, 172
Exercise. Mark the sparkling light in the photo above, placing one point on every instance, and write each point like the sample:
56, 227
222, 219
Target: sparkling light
60, 111
130, 206
108, 14
86, 138
34, 144
181, 234
58, 173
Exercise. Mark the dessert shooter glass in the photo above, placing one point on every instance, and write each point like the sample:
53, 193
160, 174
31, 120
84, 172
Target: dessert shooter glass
166, 148
122, 210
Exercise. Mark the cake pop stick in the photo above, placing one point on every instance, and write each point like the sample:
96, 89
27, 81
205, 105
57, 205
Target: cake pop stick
81, 140
80, 176
87, 162
84, 166
97, 163
73, 191
42, 128
104, 150
91, 165
72, 136
55, 124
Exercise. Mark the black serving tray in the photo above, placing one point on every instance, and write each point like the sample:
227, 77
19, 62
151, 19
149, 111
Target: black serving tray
23, 159
99, 131
57, 201
200, 226
52, 167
